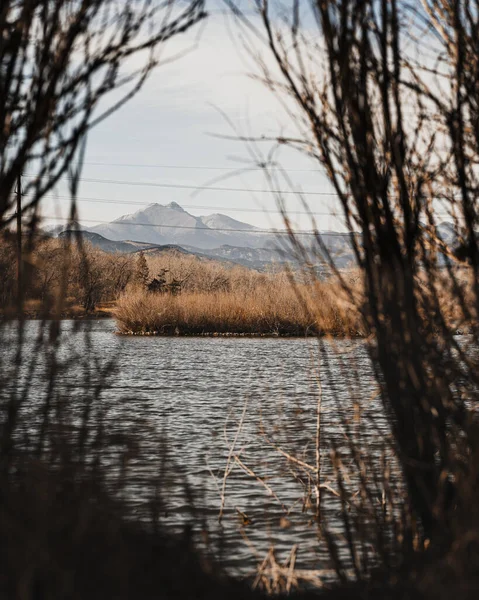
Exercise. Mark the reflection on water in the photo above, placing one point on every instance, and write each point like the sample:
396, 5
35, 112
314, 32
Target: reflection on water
193, 393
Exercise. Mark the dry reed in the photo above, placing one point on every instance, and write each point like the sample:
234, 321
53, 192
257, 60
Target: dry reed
274, 307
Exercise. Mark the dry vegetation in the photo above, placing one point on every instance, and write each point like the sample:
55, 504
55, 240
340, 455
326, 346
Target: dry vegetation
212, 298
196, 297
273, 307
62, 278
180, 294
173, 293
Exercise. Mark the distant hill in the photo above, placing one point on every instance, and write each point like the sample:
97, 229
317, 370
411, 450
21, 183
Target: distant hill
259, 259
99, 241
255, 258
240, 256
127, 246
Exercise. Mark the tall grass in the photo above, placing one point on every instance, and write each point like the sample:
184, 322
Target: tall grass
272, 308
216, 299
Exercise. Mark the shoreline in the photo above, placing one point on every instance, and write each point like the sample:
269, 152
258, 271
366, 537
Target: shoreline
226, 334
63, 317
109, 314
73, 313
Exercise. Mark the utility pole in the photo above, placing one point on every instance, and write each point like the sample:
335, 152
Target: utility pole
19, 241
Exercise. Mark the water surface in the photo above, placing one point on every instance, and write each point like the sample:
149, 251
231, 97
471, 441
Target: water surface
198, 394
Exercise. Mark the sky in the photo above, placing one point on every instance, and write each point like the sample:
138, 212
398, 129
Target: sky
170, 135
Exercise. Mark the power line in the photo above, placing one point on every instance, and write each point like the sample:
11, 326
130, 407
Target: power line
190, 167
221, 229
199, 207
195, 187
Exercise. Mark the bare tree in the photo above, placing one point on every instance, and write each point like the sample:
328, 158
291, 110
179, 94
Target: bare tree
7, 269
142, 273
383, 95
58, 60
64, 66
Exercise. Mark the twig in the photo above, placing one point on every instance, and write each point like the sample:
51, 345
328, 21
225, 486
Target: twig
252, 474
230, 454
291, 458
292, 562
318, 450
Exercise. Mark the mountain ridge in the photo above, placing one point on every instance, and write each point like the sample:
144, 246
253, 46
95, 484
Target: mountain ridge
172, 224
159, 228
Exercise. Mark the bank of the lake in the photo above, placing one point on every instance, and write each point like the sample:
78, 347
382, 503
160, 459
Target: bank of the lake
219, 334
36, 310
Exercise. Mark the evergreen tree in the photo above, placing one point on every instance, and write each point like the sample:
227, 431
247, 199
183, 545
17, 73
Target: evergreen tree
142, 274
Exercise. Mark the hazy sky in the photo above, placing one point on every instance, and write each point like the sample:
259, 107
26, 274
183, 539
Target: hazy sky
166, 135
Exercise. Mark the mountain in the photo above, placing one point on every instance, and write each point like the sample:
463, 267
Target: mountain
218, 236
164, 228
99, 241
171, 224
219, 221
260, 259
231, 239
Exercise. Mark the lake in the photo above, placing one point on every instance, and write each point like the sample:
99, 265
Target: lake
195, 396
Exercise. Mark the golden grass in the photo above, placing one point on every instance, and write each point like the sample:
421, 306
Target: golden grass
216, 299
272, 308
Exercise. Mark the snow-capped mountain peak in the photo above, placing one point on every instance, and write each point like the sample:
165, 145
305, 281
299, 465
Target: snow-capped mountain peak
219, 221
172, 224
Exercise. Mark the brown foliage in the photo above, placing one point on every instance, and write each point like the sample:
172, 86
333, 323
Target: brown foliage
274, 308
64, 274
59, 62
215, 298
